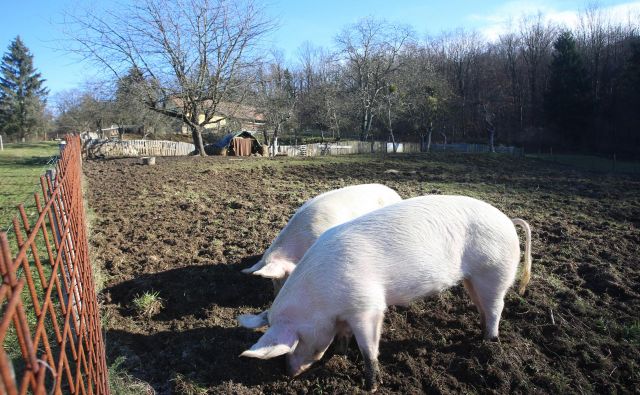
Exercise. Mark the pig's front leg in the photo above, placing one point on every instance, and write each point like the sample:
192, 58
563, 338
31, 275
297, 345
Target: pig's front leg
367, 328
371, 374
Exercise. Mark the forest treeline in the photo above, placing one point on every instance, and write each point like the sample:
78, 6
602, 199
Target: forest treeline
539, 84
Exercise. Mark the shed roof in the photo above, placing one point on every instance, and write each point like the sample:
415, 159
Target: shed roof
226, 140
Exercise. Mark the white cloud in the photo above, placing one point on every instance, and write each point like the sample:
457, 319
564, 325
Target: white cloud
507, 16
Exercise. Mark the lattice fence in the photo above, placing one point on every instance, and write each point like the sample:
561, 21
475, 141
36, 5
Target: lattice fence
50, 325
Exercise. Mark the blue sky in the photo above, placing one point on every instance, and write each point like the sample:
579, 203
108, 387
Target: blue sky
38, 22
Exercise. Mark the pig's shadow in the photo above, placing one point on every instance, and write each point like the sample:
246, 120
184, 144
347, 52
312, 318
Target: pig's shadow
207, 356
195, 290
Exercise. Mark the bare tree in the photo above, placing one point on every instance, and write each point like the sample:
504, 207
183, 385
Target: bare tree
460, 50
195, 53
371, 48
537, 38
391, 99
84, 110
276, 98
331, 92
424, 93
510, 54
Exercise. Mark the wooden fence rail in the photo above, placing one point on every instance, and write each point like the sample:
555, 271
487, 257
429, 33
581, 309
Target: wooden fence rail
50, 326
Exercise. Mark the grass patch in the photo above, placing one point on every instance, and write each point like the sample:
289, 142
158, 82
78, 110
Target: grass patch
21, 165
148, 304
631, 332
122, 383
185, 386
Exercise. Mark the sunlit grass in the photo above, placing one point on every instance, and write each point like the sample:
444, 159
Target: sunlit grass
21, 166
148, 304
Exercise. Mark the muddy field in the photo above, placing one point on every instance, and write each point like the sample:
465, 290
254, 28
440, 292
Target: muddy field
185, 227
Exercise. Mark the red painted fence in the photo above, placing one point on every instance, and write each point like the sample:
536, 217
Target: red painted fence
50, 324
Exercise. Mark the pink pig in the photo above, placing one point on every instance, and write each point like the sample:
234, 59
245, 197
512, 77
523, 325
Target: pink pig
391, 256
311, 220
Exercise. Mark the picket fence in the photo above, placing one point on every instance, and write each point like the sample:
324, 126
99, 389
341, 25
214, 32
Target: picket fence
366, 147
134, 148
345, 148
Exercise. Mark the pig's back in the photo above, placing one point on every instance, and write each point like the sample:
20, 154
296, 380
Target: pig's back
325, 211
414, 248
341, 205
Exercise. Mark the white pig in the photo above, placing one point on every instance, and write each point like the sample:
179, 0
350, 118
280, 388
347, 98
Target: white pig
391, 256
311, 220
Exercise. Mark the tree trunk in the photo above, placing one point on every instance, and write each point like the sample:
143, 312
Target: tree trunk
337, 122
393, 138
369, 122
196, 134
492, 133
99, 125
366, 125
274, 146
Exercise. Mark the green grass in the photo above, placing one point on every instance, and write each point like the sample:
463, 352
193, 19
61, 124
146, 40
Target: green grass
21, 166
592, 163
184, 386
148, 304
122, 383
631, 332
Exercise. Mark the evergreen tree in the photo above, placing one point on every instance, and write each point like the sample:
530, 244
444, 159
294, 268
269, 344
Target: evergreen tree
567, 99
22, 94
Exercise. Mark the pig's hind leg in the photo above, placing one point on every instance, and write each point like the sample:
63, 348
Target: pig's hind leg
367, 328
490, 291
468, 285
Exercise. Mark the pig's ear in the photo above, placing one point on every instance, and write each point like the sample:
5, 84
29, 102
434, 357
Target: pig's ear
278, 340
254, 268
278, 268
254, 321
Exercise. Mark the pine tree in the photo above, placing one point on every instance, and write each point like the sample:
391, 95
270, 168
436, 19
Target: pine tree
22, 94
567, 99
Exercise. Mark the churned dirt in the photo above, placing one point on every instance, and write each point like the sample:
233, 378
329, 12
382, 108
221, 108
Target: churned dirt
185, 227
